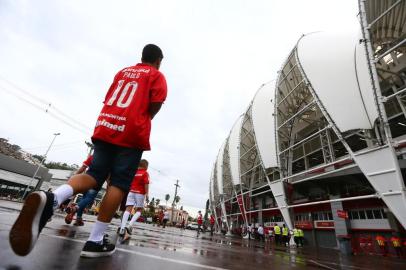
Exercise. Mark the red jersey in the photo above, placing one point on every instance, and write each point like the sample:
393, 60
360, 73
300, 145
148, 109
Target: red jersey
141, 178
124, 119
88, 161
200, 219
212, 220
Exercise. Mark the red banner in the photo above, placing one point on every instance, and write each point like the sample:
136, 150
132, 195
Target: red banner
324, 224
304, 224
342, 214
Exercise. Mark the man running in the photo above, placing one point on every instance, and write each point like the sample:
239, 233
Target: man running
136, 198
86, 200
121, 135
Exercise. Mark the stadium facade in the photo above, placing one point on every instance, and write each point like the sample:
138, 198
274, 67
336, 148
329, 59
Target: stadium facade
323, 146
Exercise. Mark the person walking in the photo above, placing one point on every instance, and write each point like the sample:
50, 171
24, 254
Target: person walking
285, 235
212, 222
277, 232
301, 237
136, 198
296, 236
199, 222
260, 232
121, 135
165, 218
381, 241
182, 225
87, 199
396, 245
249, 231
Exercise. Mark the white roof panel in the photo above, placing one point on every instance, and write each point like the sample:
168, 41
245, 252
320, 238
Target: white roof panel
339, 80
234, 151
220, 168
263, 120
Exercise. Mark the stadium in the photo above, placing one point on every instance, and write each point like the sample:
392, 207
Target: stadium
322, 147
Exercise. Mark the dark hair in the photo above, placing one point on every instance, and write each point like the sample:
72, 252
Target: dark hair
151, 53
143, 163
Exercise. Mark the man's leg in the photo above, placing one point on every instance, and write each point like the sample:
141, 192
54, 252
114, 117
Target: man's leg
108, 207
135, 217
87, 199
38, 208
124, 165
139, 204
127, 212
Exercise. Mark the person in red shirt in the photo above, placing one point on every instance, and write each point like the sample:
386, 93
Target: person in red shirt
136, 197
199, 222
86, 200
212, 221
121, 135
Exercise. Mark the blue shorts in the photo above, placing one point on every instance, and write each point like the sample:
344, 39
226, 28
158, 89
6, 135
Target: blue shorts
118, 162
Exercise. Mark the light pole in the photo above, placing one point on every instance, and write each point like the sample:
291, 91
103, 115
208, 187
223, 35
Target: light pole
174, 198
39, 165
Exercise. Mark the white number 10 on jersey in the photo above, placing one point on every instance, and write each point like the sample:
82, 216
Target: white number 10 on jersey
120, 102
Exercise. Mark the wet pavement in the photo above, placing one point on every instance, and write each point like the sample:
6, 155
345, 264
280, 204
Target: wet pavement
153, 247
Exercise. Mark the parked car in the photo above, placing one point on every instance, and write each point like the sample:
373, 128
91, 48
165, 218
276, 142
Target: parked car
192, 226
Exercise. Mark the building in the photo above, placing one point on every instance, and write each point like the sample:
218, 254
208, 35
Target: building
17, 177
323, 146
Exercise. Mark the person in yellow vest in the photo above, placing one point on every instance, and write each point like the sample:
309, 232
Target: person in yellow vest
396, 245
381, 243
285, 235
301, 237
296, 236
277, 232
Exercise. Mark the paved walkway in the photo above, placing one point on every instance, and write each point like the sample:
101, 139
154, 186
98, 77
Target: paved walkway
153, 247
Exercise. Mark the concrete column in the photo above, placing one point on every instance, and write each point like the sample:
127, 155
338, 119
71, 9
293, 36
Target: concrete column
260, 211
341, 226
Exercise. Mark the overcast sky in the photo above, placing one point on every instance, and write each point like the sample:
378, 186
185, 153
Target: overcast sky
217, 54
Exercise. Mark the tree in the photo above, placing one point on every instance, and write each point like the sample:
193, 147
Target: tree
157, 202
167, 197
206, 214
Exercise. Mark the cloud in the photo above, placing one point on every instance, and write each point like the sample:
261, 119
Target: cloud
217, 54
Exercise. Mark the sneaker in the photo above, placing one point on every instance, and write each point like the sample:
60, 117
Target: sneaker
71, 212
94, 249
121, 232
36, 211
79, 222
129, 229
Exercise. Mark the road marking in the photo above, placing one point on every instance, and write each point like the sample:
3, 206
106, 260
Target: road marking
322, 265
146, 254
344, 265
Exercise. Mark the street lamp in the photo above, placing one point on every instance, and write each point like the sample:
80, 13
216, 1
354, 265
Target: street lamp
39, 166
174, 198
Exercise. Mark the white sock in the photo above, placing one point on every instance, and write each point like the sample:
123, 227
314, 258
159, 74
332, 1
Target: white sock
135, 217
62, 193
125, 219
98, 231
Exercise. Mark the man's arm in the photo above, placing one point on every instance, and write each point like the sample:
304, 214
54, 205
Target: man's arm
154, 108
146, 191
81, 169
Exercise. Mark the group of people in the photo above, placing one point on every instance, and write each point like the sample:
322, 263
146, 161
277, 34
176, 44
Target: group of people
395, 241
120, 137
281, 235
